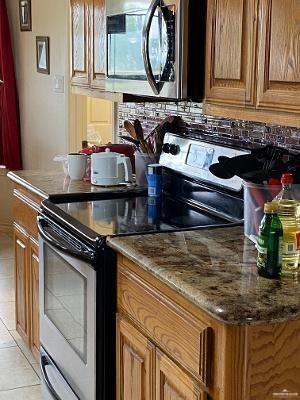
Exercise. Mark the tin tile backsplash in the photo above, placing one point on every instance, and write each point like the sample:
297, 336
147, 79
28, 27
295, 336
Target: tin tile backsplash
151, 114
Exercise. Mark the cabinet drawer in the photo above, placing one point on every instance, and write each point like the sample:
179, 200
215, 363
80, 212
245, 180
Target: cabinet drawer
25, 213
186, 339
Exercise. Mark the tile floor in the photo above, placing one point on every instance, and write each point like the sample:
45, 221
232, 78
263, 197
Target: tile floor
19, 372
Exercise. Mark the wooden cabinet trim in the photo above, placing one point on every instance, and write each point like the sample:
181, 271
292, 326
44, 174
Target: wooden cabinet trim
28, 200
25, 215
183, 337
248, 114
170, 293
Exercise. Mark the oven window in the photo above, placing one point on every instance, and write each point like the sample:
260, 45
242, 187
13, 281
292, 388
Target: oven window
65, 301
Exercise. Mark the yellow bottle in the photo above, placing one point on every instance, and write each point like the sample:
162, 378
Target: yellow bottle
288, 212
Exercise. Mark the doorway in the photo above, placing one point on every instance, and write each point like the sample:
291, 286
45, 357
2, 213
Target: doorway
93, 120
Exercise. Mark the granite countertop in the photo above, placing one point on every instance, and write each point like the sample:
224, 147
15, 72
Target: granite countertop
51, 183
216, 270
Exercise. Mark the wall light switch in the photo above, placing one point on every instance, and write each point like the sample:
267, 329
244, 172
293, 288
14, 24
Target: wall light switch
59, 84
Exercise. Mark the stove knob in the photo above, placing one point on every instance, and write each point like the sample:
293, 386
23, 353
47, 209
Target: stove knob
166, 148
174, 149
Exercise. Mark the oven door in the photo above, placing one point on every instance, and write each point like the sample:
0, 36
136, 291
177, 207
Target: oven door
67, 313
145, 48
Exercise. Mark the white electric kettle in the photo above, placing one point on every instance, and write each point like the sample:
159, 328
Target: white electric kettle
109, 169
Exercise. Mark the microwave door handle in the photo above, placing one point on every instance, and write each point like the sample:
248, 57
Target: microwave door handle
44, 363
145, 48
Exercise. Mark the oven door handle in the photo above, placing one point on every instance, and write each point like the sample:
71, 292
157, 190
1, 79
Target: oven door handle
156, 86
44, 362
84, 252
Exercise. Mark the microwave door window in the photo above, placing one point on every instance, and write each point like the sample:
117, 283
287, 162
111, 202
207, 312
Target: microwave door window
125, 60
155, 45
167, 35
161, 46
65, 295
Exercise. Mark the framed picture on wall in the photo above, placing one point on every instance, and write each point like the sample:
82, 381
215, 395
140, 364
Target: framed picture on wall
25, 15
43, 54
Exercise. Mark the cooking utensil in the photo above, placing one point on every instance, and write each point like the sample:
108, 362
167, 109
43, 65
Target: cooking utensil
138, 130
228, 167
130, 129
145, 147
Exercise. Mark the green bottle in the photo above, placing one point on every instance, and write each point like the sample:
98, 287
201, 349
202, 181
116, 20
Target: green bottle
269, 243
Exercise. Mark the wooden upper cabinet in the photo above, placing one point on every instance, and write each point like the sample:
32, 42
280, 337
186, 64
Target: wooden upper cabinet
80, 42
98, 44
135, 364
172, 383
279, 55
231, 52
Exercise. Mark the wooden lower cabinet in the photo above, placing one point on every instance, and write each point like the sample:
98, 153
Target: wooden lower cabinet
34, 298
135, 361
157, 351
25, 209
27, 289
146, 373
21, 245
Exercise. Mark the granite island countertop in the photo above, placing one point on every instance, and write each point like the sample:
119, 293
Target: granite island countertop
52, 183
216, 270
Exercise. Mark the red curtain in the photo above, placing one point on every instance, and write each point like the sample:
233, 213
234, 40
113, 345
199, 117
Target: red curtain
10, 138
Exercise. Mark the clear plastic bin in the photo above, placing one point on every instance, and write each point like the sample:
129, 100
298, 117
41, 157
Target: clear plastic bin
255, 196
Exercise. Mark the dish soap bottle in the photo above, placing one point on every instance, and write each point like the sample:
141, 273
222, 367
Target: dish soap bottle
269, 243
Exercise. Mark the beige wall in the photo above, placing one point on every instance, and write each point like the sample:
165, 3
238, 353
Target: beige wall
44, 114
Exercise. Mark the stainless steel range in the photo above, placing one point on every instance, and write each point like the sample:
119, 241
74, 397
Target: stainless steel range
77, 268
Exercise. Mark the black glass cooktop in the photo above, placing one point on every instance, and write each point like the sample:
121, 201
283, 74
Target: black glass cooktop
140, 214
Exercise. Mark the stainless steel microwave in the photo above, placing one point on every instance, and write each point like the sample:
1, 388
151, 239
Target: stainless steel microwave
156, 47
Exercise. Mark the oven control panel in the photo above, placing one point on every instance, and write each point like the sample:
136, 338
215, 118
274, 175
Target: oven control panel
193, 158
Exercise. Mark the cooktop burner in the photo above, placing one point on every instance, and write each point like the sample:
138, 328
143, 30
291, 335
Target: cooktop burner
139, 214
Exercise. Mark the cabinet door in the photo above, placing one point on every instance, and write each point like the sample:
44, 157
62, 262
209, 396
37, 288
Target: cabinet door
231, 52
98, 43
21, 244
135, 364
279, 55
34, 298
172, 383
80, 42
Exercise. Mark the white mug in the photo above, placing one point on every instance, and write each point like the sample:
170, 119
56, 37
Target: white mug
76, 166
